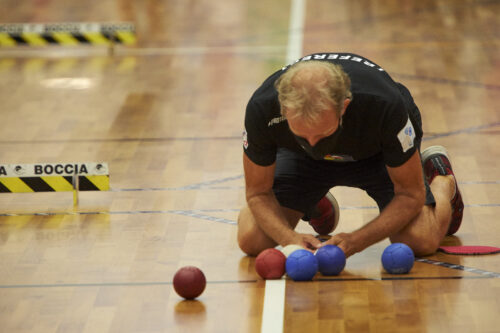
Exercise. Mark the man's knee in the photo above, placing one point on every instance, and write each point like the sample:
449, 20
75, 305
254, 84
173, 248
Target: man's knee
424, 248
421, 246
250, 247
424, 234
251, 239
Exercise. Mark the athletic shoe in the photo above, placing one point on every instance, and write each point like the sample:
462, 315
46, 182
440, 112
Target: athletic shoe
327, 211
436, 162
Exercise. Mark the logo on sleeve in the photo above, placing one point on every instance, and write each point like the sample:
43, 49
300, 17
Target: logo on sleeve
407, 136
245, 139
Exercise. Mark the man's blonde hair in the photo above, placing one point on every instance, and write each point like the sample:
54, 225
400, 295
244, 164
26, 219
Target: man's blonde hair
308, 88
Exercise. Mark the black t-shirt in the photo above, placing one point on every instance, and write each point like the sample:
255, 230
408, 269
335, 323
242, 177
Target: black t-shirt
378, 119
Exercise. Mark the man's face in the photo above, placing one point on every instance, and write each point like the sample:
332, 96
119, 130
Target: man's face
326, 125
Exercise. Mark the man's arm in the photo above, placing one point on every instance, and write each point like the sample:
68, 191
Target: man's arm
409, 198
266, 209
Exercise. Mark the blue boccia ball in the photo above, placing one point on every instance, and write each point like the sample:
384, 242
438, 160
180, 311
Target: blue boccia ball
398, 258
331, 260
301, 265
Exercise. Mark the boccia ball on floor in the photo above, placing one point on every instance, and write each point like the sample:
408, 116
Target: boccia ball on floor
270, 264
290, 248
189, 282
331, 260
398, 258
301, 265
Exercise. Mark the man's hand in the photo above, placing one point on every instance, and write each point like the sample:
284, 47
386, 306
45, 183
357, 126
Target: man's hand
307, 241
345, 241
409, 198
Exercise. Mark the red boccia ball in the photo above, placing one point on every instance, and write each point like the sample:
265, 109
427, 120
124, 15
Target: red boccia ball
189, 282
270, 264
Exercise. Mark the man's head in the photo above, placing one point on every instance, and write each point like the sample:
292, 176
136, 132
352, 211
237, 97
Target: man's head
313, 96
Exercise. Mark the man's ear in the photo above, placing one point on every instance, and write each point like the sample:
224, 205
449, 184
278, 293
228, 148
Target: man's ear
346, 104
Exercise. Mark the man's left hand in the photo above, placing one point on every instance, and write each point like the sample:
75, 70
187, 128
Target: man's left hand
345, 241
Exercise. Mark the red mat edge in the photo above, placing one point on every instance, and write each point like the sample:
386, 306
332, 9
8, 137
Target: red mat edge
490, 249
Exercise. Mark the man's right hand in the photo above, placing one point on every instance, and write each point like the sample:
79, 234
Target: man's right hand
307, 241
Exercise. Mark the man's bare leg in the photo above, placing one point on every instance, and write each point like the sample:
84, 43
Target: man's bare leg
251, 239
426, 231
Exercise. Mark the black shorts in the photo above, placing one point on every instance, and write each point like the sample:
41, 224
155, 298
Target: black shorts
300, 182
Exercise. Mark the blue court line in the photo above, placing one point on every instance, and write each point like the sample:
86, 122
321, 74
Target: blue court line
200, 214
182, 188
204, 216
459, 267
436, 135
197, 213
460, 131
110, 284
396, 278
486, 182
375, 207
484, 275
205, 186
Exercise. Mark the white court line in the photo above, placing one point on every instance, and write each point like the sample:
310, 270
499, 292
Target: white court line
274, 298
296, 30
274, 306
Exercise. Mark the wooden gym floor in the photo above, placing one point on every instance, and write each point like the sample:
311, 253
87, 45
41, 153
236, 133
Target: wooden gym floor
167, 116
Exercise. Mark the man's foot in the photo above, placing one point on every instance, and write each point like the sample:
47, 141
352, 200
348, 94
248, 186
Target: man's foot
436, 162
327, 212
